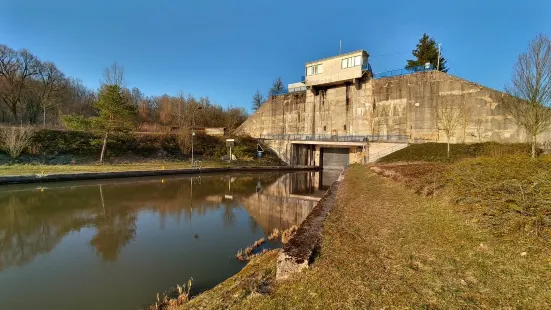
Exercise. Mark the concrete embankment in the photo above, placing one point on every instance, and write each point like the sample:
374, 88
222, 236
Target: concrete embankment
299, 252
258, 277
59, 177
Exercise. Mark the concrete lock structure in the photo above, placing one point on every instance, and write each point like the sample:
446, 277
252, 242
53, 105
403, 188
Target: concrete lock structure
343, 113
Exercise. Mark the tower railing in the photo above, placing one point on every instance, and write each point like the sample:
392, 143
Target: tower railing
405, 71
337, 138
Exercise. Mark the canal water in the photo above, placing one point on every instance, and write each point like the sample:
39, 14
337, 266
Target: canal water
113, 244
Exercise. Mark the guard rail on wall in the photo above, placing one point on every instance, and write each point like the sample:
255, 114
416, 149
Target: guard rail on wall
337, 138
400, 72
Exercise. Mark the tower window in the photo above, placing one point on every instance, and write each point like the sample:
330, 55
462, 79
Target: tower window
315, 69
351, 62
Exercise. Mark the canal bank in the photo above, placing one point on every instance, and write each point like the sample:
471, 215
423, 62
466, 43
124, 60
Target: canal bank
268, 269
79, 176
384, 245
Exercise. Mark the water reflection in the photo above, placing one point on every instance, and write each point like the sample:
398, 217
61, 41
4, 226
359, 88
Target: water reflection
189, 225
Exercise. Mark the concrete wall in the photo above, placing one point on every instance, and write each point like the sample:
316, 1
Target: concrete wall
405, 105
357, 154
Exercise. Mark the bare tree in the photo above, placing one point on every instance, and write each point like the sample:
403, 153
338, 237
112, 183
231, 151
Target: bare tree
258, 100
113, 75
16, 139
16, 67
450, 117
277, 87
480, 129
530, 90
53, 82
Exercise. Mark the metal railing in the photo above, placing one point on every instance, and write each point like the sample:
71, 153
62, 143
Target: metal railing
400, 72
337, 138
286, 91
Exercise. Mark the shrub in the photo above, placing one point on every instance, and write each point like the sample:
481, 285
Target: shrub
47, 142
76, 122
16, 139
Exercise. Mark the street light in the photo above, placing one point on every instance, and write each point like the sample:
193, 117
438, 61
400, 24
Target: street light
193, 133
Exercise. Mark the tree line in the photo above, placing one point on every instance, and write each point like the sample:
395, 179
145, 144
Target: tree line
36, 92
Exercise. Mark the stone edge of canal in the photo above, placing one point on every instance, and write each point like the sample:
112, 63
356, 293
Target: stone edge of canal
61, 177
297, 254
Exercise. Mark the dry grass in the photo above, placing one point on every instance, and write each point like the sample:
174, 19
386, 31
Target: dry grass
153, 165
274, 235
287, 234
510, 195
386, 247
437, 152
247, 254
424, 178
175, 297
255, 279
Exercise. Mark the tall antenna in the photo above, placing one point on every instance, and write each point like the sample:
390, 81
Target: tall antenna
438, 65
340, 47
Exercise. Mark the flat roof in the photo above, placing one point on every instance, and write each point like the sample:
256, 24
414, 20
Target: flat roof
341, 55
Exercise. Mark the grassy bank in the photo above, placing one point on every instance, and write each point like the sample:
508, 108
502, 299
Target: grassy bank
51, 147
75, 151
26, 169
386, 246
437, 152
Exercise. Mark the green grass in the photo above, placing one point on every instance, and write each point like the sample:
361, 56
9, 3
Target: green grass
26, 169
385, 246
437, 152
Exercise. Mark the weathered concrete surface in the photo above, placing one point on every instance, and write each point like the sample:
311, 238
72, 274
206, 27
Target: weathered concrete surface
357, 153
404, 105
298, 252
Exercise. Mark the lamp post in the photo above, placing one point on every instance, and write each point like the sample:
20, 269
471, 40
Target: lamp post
193, 133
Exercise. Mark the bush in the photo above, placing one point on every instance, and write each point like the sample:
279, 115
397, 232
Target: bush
15, 139
48, 143
52, 142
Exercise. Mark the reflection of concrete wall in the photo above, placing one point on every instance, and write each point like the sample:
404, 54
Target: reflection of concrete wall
276, 212
273, 207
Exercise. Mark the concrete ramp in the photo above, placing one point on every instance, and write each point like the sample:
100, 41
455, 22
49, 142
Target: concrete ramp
379, 150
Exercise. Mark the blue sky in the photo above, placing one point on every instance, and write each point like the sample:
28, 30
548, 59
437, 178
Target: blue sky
228, 49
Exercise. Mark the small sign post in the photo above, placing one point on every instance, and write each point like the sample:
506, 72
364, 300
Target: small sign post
259, 150
192, 136
230, 143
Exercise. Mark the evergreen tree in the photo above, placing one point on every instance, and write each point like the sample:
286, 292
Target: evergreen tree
427, 51
115, 113
277, 87
258, 100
